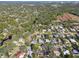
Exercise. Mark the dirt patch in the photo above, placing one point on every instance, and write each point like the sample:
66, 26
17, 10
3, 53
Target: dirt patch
67, 16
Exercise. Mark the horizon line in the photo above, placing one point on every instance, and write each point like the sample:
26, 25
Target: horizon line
39, 0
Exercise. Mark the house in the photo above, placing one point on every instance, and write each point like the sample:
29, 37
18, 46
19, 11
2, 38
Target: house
63, 30
45, 36
38, 35
57, 53
21, 40
47, 40
44, 30
66, 52
54, 41
74, 51
56, 27
40, 24
5, 34
52, 27
55, 35
34, 41
49, 30
72, 40
62, 35
77, 34
61, 27
72, 29
28, 48
16, 43
76, 27
5, 30
29, 53
59, 41
41, 41
17, 19
67, 42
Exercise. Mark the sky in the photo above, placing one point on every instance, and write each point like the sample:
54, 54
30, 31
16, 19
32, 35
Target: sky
39, 0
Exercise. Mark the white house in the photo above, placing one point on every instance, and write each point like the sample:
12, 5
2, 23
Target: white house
66, 52
73, 40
